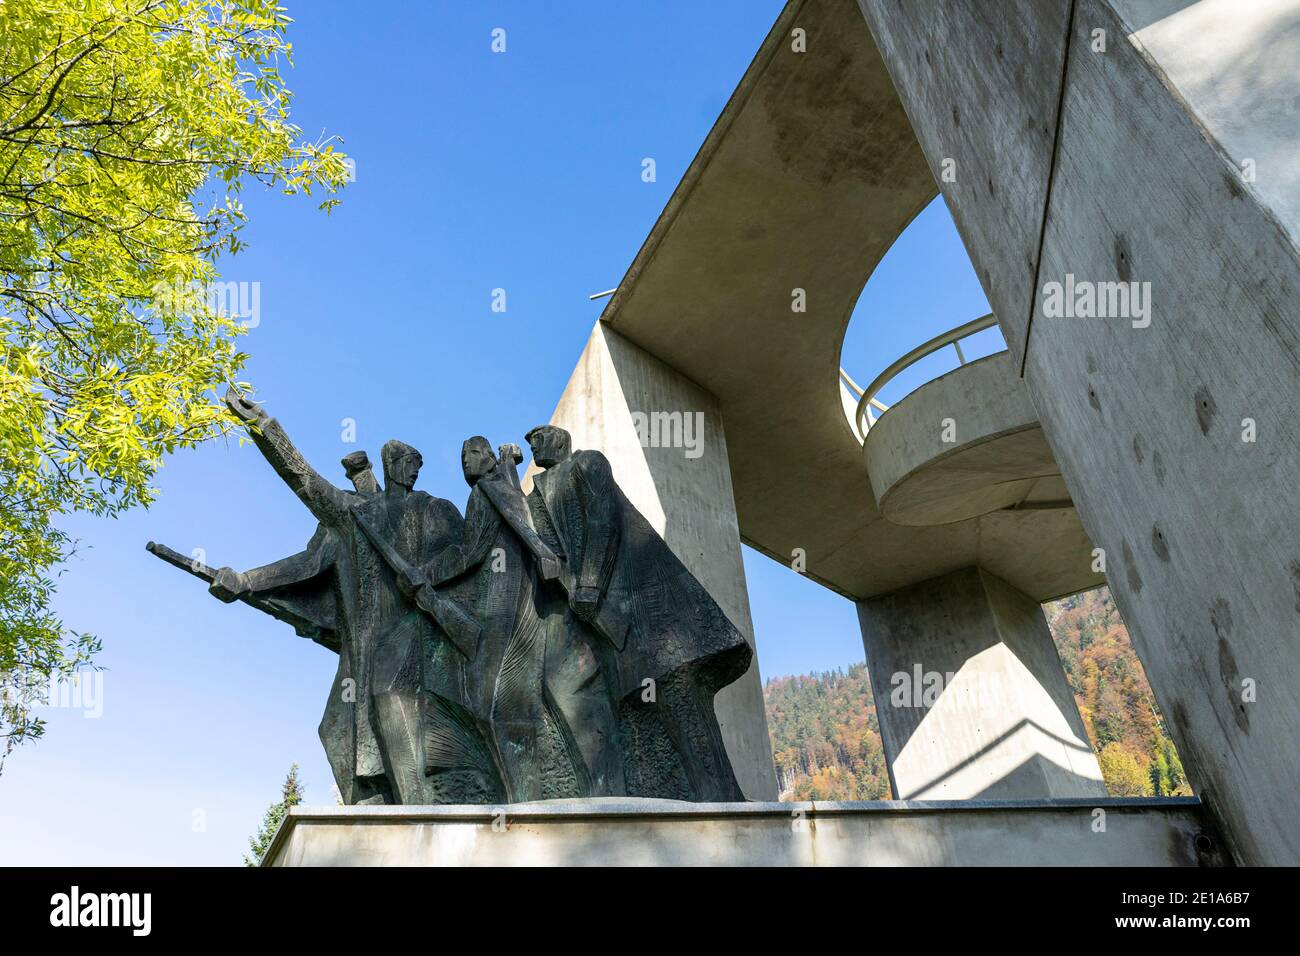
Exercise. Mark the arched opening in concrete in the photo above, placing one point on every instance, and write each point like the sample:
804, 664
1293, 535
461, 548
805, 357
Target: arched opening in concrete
924, 286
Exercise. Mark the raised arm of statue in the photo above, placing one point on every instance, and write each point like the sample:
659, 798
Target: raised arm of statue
323, 499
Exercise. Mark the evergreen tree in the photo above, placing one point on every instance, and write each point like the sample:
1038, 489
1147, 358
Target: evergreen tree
1159, 776
290, 796
1178, 786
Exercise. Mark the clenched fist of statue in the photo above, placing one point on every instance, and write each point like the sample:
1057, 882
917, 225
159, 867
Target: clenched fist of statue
584, 601
229, 585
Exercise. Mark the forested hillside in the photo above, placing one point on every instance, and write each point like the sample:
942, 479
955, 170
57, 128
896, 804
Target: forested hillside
826, 739
1125, 727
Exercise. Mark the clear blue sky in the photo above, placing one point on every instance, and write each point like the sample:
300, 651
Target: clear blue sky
474, 171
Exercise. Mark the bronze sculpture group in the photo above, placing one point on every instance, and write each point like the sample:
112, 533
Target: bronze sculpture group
544, 645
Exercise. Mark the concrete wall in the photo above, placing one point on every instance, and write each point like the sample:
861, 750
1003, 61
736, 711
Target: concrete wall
1102, 832
1201, 528
685, 493
970, 694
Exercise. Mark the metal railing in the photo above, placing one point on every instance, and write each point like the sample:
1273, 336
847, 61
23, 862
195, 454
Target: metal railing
856, 389
863, 418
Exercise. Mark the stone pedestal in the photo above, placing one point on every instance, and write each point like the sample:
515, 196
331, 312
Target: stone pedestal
629, 832
971, 696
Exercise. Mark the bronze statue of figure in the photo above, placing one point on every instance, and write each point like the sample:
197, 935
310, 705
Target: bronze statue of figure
535, 679
666, 647
544, 646
395, 727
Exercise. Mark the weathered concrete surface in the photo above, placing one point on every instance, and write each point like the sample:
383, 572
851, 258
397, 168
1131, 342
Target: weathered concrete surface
970, 694
665, 833
1235, 63
1199, 525
809, 175
962, 445
681, 481
966, 444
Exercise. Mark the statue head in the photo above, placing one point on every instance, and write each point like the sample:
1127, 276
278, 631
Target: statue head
401, 464
550, 444
476, 458
357, 467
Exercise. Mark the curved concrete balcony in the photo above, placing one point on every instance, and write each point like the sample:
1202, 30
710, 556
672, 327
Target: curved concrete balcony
963, 445
967, 447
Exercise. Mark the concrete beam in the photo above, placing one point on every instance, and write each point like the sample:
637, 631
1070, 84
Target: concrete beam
807, 178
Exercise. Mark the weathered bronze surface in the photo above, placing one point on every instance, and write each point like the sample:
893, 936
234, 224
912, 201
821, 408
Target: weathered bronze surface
542, 646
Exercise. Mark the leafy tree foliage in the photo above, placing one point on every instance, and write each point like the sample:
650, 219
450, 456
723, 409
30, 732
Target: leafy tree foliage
1123, 772
127, 130
290, 796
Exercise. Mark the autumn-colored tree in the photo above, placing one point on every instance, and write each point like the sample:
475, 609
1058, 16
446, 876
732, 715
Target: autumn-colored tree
127, 130
1123, 772
825, 736
1113, 695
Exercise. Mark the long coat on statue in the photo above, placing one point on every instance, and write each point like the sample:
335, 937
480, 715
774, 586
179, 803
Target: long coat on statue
492, 574
671, 647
